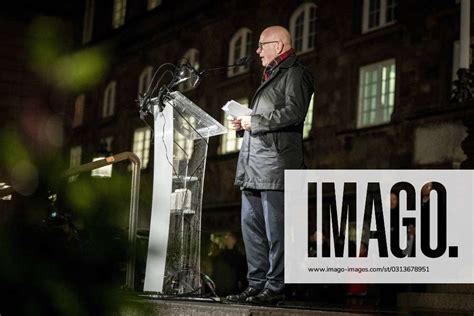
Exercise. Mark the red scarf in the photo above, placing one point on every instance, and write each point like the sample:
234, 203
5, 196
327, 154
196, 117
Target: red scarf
267, 72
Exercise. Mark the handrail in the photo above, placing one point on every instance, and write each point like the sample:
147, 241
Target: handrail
135, 191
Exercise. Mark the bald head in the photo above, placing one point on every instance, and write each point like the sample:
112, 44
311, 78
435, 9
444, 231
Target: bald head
274, 40
278, 33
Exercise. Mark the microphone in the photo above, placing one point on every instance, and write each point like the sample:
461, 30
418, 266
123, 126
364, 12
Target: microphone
188, 72
243, 61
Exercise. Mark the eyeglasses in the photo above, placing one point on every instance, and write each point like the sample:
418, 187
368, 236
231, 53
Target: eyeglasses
260, 45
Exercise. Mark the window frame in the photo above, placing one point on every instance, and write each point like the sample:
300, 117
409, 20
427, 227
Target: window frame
382, 16
245, 36
378, 95
309, 36
88, 24
144, 153
108, 106
119, 13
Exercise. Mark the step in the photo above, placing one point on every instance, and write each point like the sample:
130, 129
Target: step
451, 288
437, 301
139, 307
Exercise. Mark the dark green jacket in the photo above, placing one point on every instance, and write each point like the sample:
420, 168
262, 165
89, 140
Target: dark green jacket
275, 142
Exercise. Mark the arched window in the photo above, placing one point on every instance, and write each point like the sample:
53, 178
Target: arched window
108, 107
191, 57
144, 79
303, 28
378, 14
89, 12
240, 46
118, 14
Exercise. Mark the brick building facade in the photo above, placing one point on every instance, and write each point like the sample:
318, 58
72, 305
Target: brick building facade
346, 44
383, 79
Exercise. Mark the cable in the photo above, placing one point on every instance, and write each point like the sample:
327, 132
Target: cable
189, 226
147, 96
156, 72
204, 278
166, 148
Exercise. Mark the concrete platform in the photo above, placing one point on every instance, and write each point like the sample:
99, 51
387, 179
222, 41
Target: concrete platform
143, 306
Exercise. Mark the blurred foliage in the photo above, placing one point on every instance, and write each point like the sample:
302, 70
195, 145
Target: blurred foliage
50, 51
63, 245
64, 256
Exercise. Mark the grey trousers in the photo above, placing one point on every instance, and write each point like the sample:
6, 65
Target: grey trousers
263, 234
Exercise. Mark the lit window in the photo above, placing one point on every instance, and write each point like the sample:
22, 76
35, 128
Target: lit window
192, 58
144, 79
240, 46
376, 93
153, 4
303, 28
141, 145
88, 21
78, 111
75, 159
230, 142
118, 15
377, 14
108, 108
308, 121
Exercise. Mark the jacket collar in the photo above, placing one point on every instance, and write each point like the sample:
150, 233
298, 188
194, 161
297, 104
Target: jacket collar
276, 62
287, 63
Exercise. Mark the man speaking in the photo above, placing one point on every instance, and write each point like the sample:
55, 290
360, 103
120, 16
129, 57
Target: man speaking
273, 142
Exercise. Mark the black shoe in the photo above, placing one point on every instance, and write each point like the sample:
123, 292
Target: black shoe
242, 297
267, 297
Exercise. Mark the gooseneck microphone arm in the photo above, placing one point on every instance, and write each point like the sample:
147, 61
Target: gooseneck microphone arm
244, 61
179, 75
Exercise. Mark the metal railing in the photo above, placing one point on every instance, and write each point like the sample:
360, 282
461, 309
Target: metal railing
134, 195
135, 191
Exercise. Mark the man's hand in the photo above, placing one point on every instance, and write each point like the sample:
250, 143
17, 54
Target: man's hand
245, 122
235, 123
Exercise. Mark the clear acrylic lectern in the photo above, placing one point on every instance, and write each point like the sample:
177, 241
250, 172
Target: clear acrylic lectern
182, 132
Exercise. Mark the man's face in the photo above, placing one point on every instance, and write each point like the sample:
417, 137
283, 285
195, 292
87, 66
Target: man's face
268, 52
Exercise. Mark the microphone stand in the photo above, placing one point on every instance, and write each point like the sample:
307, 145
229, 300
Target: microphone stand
241, 62
144, 106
